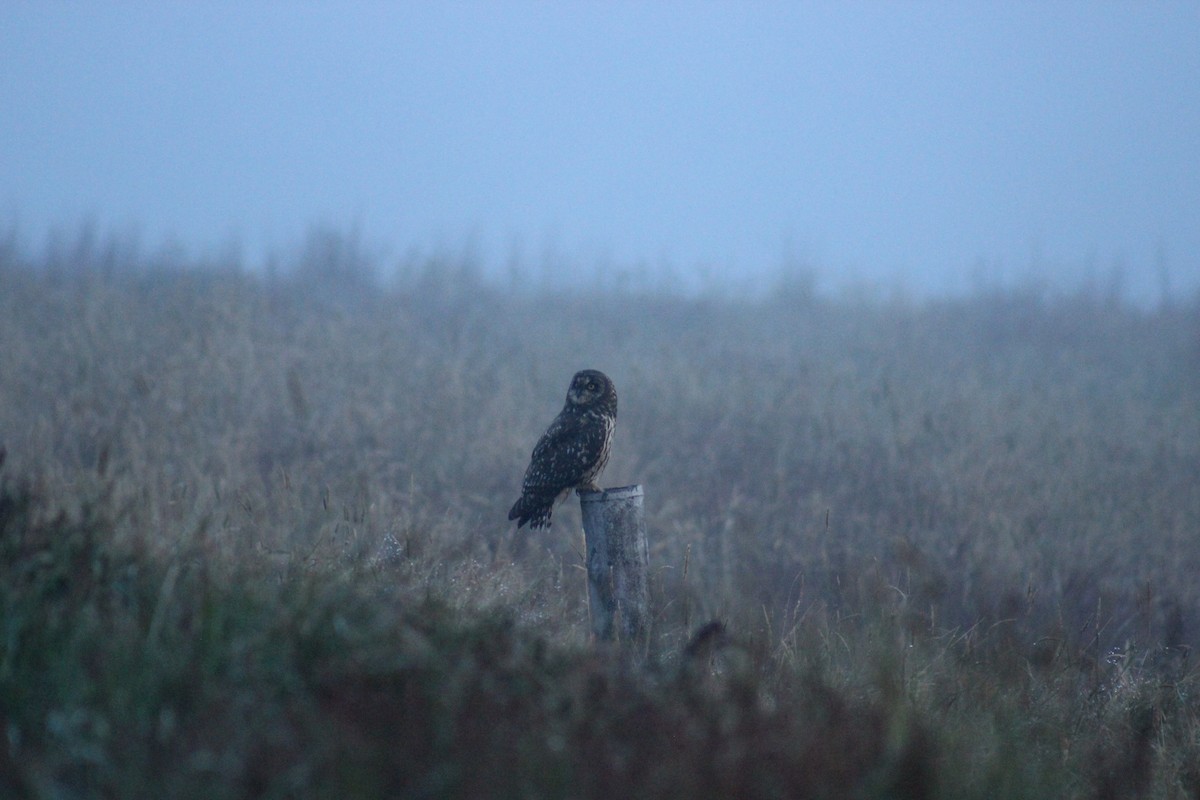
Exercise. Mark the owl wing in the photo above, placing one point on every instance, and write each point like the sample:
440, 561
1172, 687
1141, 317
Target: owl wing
561, 456
560, 460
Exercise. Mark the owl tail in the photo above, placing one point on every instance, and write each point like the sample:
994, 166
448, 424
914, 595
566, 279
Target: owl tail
528, 509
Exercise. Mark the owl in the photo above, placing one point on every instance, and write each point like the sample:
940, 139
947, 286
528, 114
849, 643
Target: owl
572, 451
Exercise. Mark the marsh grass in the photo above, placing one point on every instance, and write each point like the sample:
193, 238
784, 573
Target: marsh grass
253, 543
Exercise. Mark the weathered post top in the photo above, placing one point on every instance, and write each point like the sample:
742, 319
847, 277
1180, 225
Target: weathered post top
611, 495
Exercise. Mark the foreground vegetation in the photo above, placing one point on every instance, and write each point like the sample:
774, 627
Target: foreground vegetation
252, 541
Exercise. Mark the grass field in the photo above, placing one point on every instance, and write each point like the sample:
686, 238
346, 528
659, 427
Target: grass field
253, 541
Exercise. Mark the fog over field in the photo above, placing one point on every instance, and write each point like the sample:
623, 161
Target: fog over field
931, 147
945, 545
901, 303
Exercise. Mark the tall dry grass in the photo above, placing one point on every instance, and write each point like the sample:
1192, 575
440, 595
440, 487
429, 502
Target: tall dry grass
955, 540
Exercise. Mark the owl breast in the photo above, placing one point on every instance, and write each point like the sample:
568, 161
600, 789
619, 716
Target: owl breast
602, 426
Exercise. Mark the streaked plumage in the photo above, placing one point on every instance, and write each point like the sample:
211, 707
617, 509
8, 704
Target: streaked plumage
572, 451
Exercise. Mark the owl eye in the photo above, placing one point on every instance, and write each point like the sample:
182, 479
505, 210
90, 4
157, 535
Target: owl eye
592, 386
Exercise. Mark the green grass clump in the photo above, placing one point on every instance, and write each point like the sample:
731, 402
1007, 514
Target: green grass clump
252, 543
210, 679
201, 677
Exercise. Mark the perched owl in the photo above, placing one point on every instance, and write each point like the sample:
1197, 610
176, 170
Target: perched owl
572, 451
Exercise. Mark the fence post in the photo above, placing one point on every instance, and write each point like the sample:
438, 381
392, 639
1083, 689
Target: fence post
614, 533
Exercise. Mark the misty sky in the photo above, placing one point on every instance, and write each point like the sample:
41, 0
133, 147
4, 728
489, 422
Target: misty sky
934, 145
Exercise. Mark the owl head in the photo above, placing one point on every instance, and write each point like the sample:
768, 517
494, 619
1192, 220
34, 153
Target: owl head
590, 388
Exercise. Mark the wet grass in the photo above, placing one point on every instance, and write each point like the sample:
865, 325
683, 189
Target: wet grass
253, 544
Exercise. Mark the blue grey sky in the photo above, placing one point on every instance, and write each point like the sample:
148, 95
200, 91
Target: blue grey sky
929, 145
